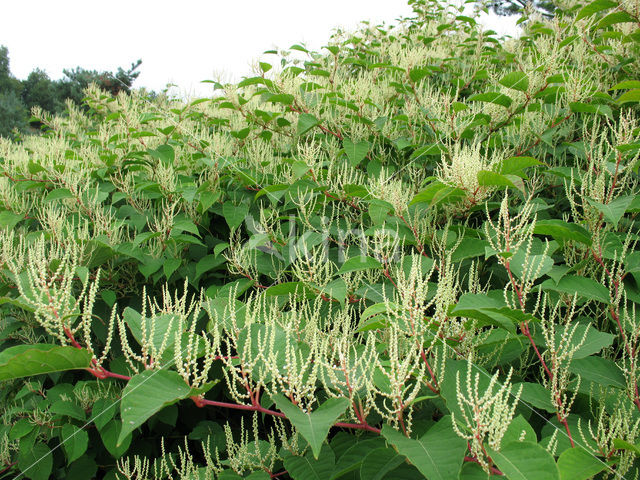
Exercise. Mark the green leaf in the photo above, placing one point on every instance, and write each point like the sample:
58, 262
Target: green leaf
515, 165
310, 468
9, 219
58, 194
627, 84
110, 434
437, 455
36, 463
578, 464
525, 461
535, 395
170, 265
306, 122
378, 463
27, 360
353, 457
74, 441
355, 264
314, 426
165, 153
148, 393
355, 151
487, 178
234, 214
208, 262
594, 341
562, 231
583, 286
515, 80
492, 97
602, 371
630, 96
490, 311
579, 107
595, 7
614, 210
298, 289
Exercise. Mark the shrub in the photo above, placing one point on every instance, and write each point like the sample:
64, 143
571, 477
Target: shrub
412, 254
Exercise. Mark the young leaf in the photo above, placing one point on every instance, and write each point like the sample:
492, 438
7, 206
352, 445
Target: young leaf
27, 360
314, 426
438, 454
147, 393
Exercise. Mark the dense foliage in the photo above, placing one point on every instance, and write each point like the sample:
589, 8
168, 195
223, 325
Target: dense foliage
412, 254
18, 97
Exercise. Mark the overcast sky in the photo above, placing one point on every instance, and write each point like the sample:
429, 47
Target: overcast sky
181, 42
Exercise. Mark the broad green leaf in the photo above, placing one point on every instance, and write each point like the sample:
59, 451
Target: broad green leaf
310, 468
148, 393
627, 84
165, 153
487, 178
336, 289
234, 214
27, 360
515, 80
490, 311
290, 288
437, 455
355, 264
515, 165
354, 456
525, 461
58, 194
154, 330
580, 107
306, 122
562, 231
595, 7
492, 97
36, 463
355, 151
208, 262
314, 426
594, 341
110, 434
170, 266
630, 96
578, 464
615, 18
537, 265
518, 428
9, 219
600, 370
74, 441
377, 463
614, 210
582, 286
535, 395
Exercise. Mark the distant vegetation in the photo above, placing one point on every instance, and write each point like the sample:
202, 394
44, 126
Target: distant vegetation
17, 97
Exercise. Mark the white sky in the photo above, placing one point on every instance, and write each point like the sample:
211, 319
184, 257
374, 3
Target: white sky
180, 42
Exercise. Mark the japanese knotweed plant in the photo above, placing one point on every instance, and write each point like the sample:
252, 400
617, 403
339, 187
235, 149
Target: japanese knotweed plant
411, 254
